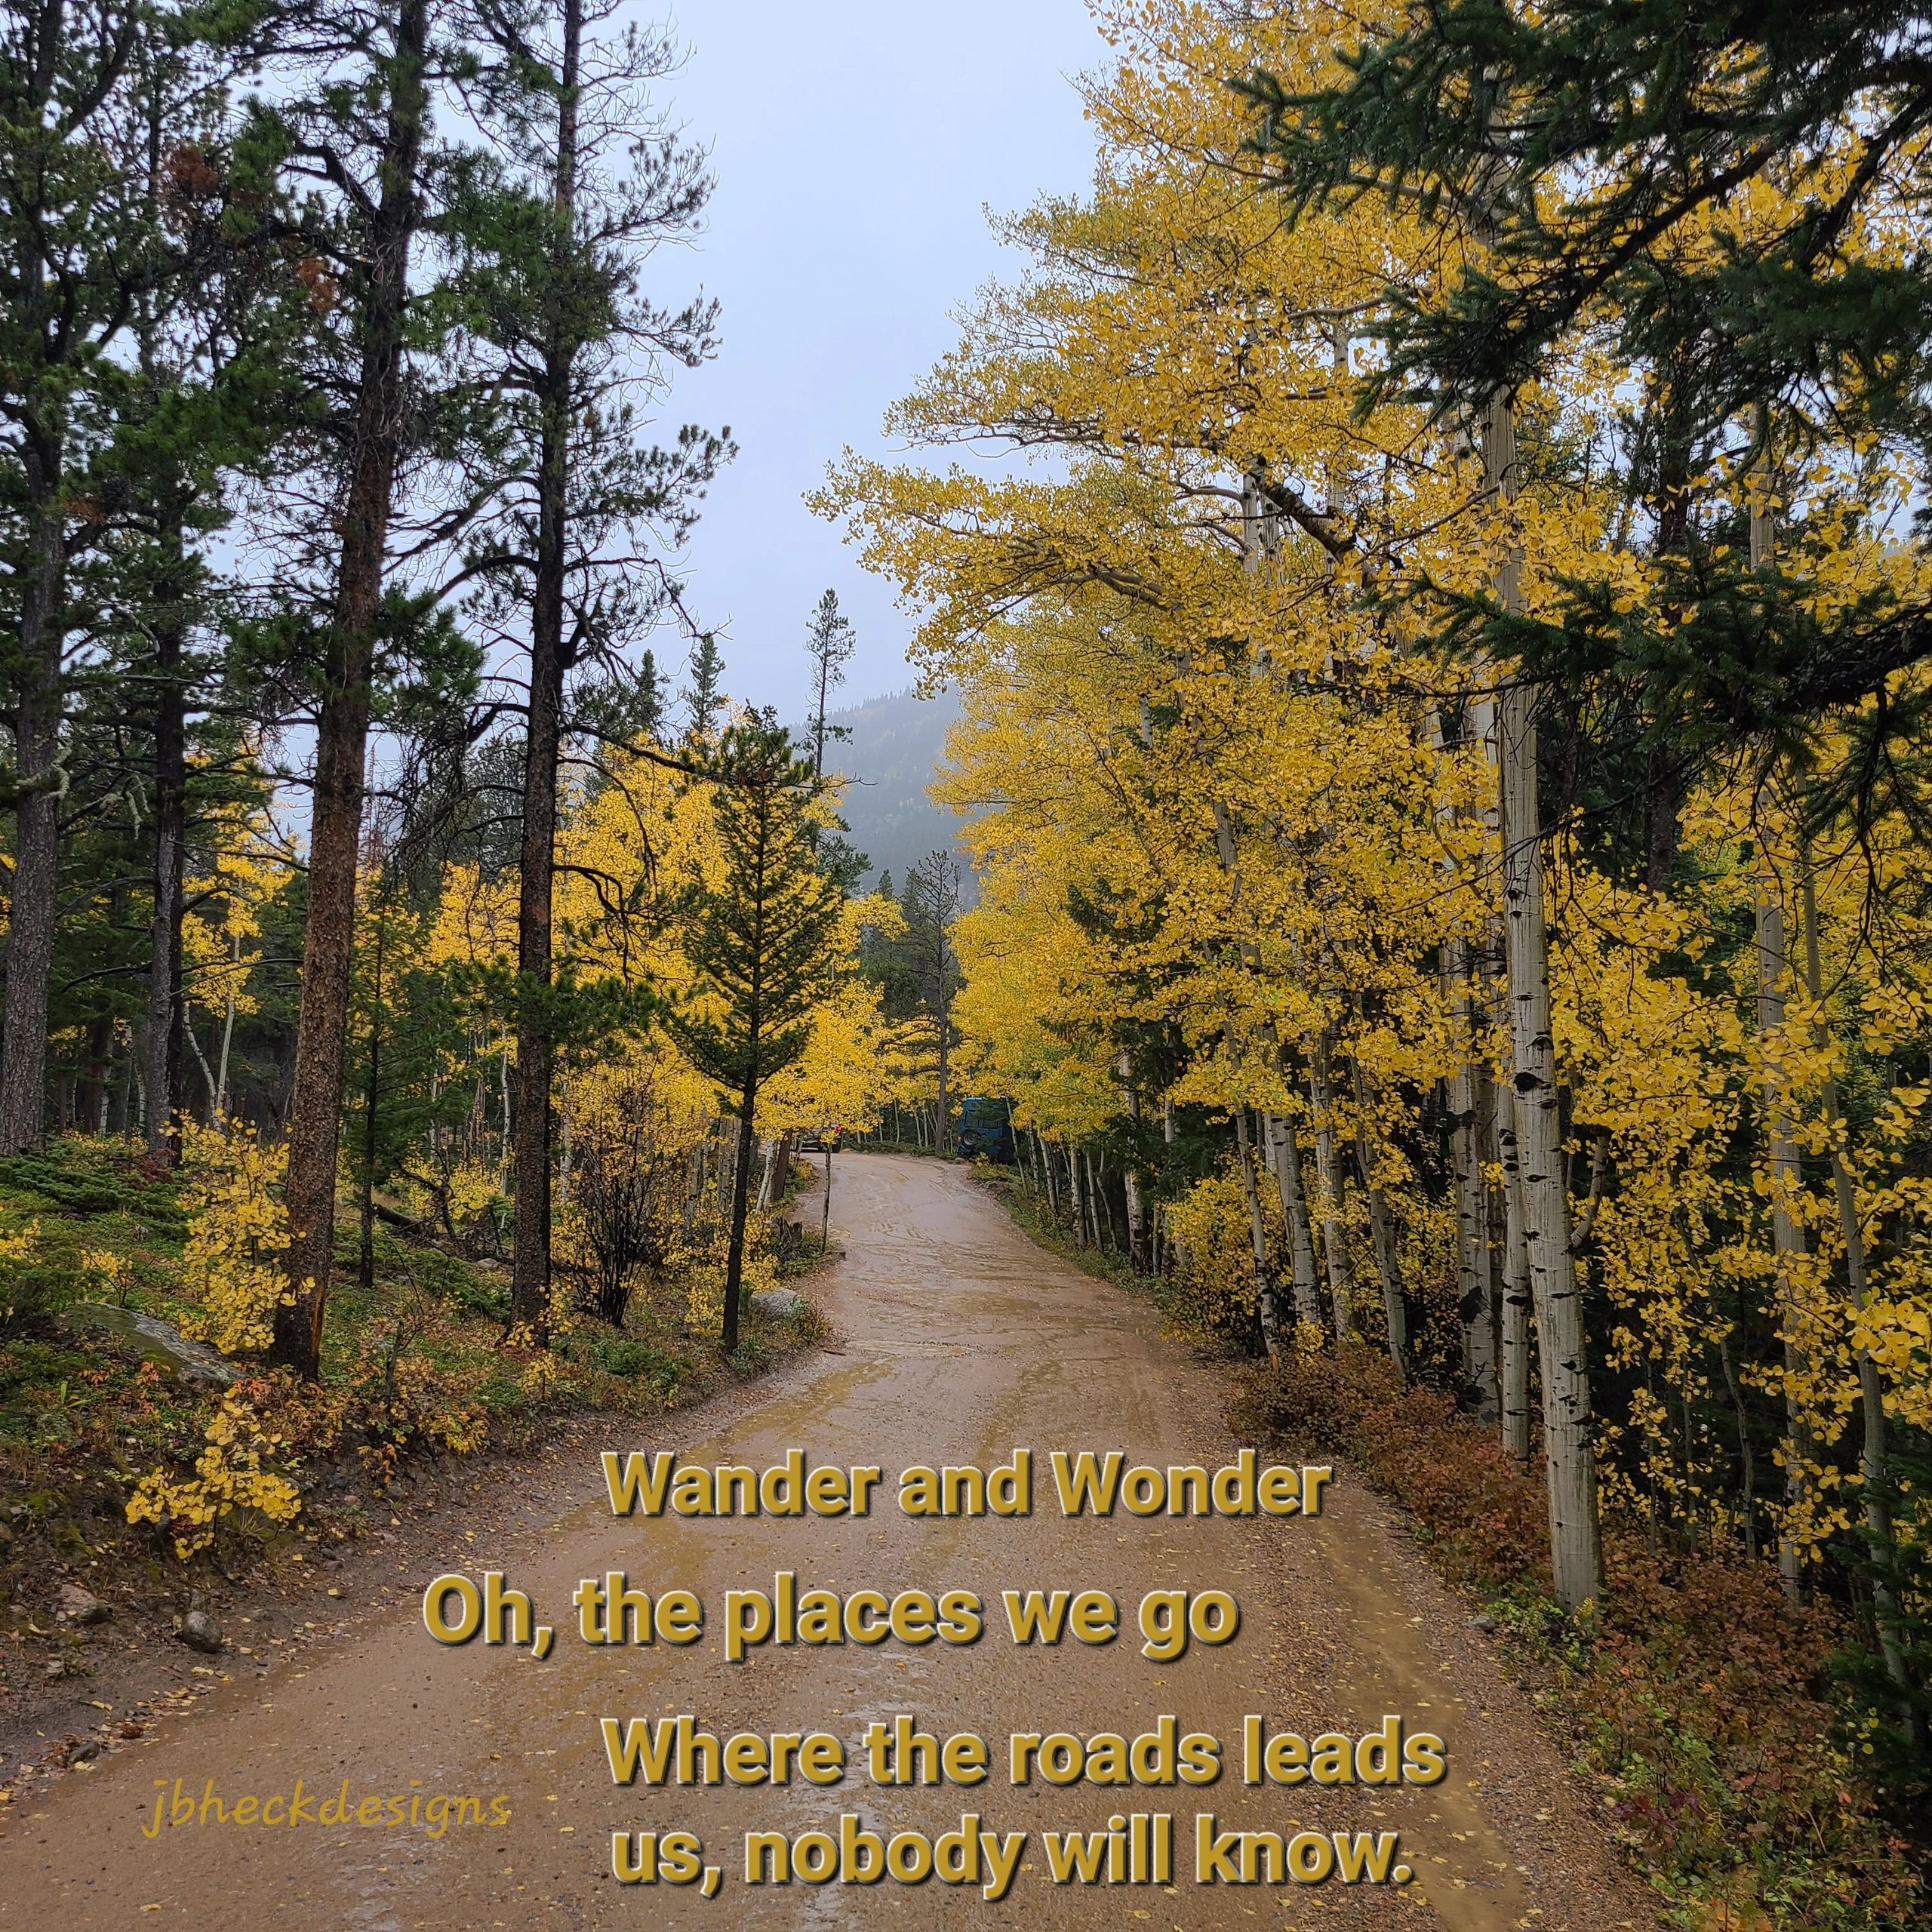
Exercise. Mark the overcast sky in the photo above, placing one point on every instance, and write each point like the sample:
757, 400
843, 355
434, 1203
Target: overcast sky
856, 144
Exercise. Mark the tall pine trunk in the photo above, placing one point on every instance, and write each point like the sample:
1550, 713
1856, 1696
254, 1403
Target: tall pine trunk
741, 1187
166, 1012
37, 815
530, 1274
342, 724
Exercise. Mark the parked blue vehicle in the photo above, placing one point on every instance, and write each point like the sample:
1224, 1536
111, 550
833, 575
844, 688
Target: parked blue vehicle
986, 1130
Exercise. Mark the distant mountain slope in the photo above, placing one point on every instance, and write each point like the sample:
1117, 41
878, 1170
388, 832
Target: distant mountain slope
889, 760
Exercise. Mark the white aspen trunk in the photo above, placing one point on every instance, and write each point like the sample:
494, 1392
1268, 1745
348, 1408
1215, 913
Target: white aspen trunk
1569, 1430
1285, 1156
227, 1030
1475, 1278
1328, 1172
1104, 1230
1788, 1242
1473, 1290
1874, 1470
1382, 1233
1170, 1134
1517, 1298
201, 1060
1257, 1229
1137, 1223
1569, 1426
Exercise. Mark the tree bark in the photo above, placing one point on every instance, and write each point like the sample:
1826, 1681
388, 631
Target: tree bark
1265, 1306
1285, 1156
371, 1101
530, 1269
341, 725
741, 1187
1874, 1464
1382, 1235
94, 1089
1328, 1170
1517, 1298
37, 815
1475, 1280
1136, 1216
1788, 1242
166, 1012
1569, 1427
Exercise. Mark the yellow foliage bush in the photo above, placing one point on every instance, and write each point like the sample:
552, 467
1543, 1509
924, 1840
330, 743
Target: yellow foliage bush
237, 1231
1208, 1227
230, 1474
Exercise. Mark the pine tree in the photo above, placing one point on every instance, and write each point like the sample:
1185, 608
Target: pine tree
88, 252
830, 646
371, 141
704, 696
1740, 160
585, 503
762, 944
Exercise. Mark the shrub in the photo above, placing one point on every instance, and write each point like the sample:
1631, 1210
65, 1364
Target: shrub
629, 1358
238, 1232
1690, 1694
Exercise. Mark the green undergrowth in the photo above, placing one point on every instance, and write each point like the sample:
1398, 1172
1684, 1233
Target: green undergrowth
1697, 1702
417, 1382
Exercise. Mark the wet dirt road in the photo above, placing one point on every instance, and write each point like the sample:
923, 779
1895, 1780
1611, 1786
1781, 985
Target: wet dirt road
957, 1342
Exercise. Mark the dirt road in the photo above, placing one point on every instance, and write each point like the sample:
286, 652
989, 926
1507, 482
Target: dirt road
958, 1341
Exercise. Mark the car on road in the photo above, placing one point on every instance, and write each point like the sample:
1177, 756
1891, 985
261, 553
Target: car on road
986, 1130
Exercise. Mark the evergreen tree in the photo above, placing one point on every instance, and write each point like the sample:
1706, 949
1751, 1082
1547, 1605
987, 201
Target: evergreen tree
354, 129
91, 245
1735, 158
585, 507
704, 696
830, 646
762, 945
